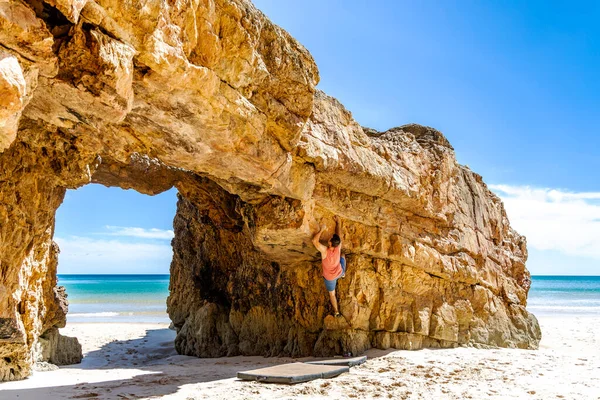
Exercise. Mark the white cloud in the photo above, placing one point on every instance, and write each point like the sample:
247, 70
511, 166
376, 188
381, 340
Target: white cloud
90, 255
553, 219
152, 233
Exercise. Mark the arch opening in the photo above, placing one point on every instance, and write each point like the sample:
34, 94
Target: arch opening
115, 253
113, 264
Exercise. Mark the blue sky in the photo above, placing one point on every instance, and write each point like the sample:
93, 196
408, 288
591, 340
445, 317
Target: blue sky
513, 85
104, 230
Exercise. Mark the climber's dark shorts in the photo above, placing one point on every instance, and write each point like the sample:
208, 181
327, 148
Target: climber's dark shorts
330, 284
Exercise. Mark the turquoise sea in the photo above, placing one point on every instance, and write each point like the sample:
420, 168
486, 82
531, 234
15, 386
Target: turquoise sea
116, 298
142, 298
560, 295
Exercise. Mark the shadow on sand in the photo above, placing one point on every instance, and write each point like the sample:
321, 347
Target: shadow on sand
137, 368
131, 369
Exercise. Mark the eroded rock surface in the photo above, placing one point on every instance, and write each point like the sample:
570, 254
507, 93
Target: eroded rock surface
214, 99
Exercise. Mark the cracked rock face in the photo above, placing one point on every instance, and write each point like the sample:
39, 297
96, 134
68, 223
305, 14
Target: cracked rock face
214, 99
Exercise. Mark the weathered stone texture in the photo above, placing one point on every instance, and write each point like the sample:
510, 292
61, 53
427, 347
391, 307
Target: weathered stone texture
212, 98
58, 349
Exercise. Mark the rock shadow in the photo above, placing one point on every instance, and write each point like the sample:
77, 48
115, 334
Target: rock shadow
135, 368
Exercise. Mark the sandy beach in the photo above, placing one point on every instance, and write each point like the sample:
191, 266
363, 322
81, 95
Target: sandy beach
130, 361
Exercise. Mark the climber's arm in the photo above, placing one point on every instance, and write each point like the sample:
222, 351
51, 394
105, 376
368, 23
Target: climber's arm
316, 242
338, 228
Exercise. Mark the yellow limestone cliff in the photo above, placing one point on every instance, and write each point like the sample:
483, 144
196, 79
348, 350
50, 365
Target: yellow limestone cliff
212, 98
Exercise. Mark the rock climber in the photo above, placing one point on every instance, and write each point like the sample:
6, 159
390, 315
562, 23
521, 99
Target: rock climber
334, 263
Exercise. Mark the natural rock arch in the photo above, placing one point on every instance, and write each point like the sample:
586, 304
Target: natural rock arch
216, 100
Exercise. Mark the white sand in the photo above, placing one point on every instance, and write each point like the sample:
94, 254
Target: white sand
127, 361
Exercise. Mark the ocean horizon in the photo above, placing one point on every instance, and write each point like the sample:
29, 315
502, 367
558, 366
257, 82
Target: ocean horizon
141, 298
133, 298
